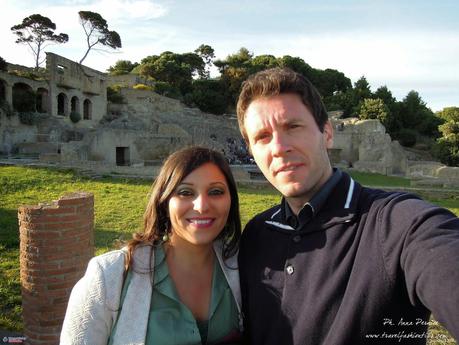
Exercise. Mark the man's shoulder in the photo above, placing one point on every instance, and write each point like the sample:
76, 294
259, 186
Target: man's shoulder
256, 227
266, 215
258, 221
383, 198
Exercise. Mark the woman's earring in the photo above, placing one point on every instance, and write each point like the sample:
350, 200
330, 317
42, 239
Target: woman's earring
166, 232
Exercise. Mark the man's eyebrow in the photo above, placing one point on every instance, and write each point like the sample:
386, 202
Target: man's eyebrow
290, 121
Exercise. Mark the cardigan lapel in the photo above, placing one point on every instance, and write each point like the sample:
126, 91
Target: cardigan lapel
132, 324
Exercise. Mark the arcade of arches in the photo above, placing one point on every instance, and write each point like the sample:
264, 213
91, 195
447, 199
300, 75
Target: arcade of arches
25, 99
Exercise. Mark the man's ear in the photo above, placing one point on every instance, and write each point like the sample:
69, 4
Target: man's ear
328, 134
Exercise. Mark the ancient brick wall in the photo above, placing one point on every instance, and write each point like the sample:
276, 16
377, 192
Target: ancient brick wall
56, 243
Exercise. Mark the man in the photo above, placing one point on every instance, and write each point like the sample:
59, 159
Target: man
335, 262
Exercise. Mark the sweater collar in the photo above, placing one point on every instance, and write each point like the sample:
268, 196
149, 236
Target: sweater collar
312, 207
339, 206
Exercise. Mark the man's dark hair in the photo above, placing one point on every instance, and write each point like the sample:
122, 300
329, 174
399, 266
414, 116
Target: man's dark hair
275, 81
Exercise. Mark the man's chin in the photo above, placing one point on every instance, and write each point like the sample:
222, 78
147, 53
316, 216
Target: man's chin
290, 191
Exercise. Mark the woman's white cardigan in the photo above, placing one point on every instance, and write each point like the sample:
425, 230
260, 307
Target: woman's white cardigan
94, 302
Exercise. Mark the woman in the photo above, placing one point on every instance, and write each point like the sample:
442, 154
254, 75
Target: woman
177, 281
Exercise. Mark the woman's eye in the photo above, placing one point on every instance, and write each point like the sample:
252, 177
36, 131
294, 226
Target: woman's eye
216, 192
185, 192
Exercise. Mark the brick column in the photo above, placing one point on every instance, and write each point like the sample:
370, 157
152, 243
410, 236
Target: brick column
56, 243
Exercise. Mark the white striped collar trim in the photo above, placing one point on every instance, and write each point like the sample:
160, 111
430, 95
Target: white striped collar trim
279, 225
350, 192
275, 213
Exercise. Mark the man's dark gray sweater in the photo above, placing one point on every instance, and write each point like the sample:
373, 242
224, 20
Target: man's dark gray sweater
368, 268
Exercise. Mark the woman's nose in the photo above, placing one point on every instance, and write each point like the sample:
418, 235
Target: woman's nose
201, 203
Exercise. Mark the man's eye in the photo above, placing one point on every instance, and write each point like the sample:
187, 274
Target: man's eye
262, 137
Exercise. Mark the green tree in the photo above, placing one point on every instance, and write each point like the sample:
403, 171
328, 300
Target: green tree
234, 70
330, 82
447, 148
262, 62
208, 95
122, 67
352, 98
96, 30
177, 70
415, 114
298, 65
361, 90
207, 54
374, 108
411, 110
449, 114
240, 59
392, 124
35, 31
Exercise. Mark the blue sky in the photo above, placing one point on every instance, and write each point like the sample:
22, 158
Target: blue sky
403, 44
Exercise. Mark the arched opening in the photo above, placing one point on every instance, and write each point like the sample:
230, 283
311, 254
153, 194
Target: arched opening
23, 98
2, 91
74, 105
42, 100
62, 104
87, 109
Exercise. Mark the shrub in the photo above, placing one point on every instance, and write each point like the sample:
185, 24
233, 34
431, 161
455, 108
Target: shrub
39, 74
3, 65
114, 94
166, 89
406, 137
447, 150
75, 116
373, 109
27, 118
142, 87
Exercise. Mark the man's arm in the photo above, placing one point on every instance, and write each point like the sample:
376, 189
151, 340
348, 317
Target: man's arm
421, 244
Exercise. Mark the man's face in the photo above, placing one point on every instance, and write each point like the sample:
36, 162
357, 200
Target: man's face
288, 146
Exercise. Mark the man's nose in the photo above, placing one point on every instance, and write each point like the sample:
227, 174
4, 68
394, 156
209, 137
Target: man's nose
279, 144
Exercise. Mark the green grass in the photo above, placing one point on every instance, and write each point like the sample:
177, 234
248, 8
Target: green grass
119, 206
379, 180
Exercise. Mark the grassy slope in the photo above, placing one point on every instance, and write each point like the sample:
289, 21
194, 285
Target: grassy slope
119, 205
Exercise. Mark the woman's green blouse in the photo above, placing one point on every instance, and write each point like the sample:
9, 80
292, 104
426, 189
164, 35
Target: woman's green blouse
171, 322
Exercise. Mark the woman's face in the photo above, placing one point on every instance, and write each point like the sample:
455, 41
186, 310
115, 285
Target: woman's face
199, 206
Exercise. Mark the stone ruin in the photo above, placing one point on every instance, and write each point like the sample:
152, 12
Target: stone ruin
141, 131
146, 127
